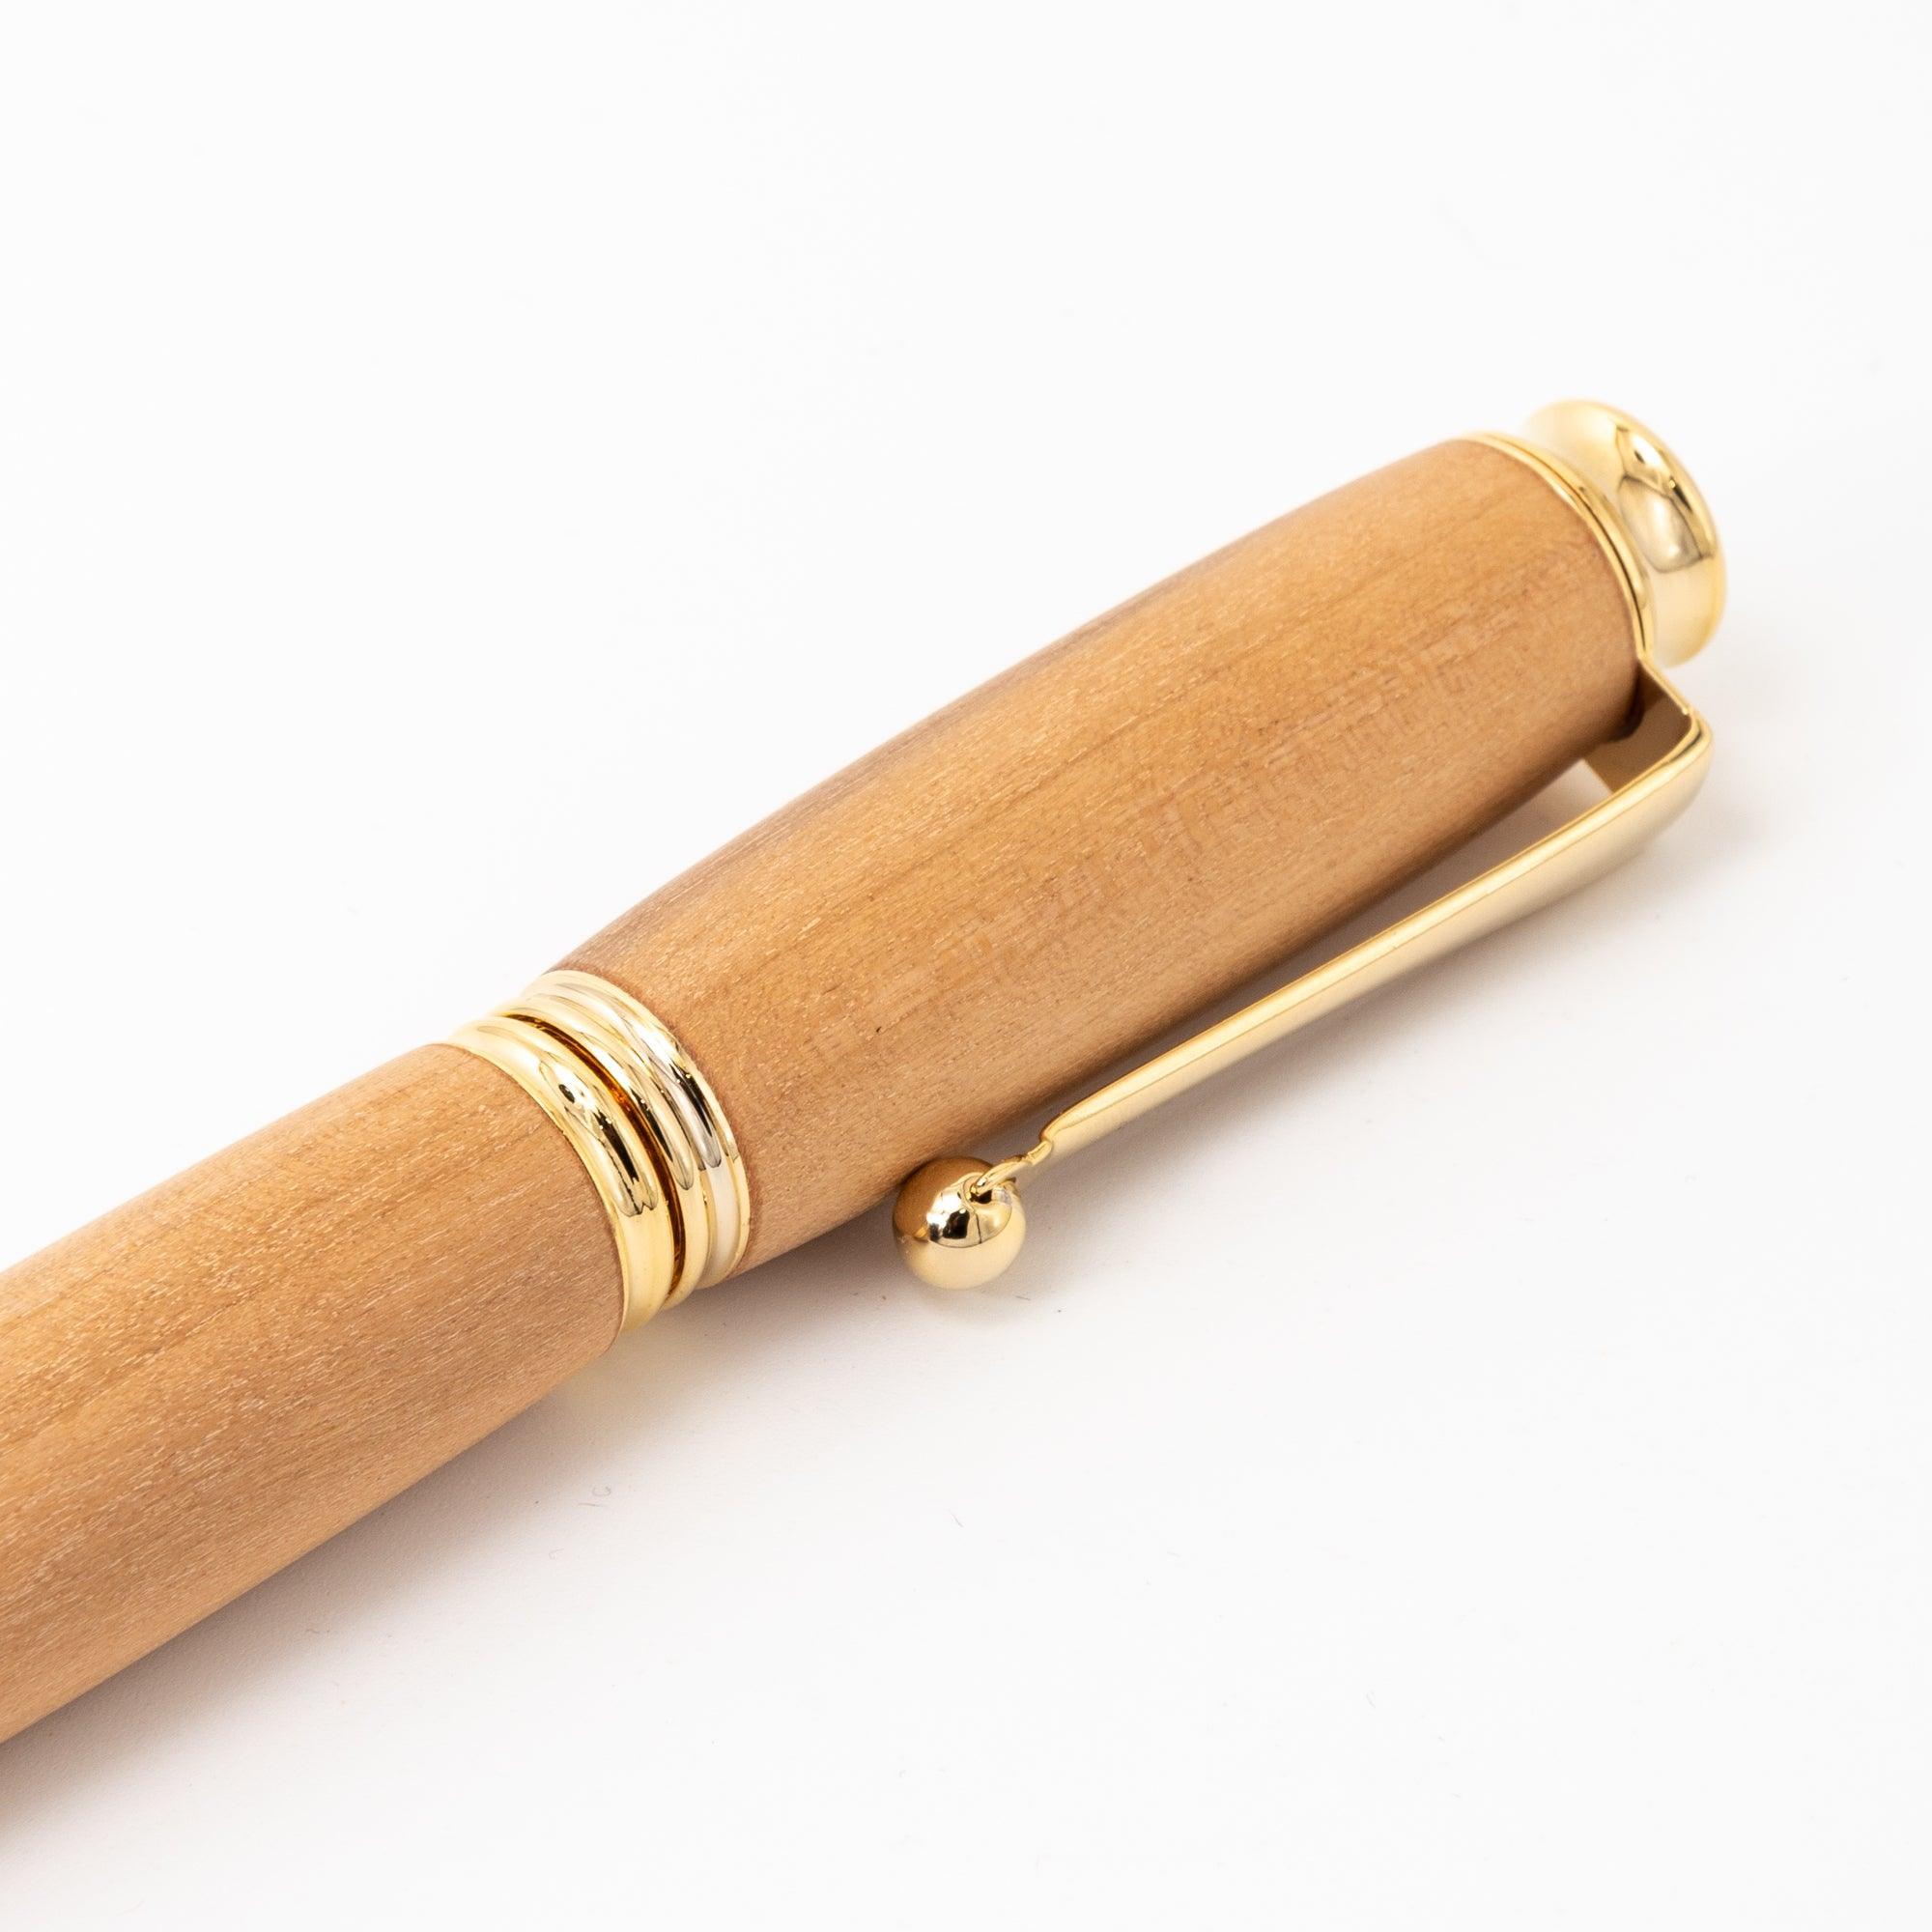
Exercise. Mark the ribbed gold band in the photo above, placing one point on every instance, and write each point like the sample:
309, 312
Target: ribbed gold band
644, 1121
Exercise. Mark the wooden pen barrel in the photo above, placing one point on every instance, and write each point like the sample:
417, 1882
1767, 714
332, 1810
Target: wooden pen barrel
1000, 902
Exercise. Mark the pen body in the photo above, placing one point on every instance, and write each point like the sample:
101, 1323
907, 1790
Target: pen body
993, 906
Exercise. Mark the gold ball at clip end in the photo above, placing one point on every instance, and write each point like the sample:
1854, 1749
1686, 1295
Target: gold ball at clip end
954, 1234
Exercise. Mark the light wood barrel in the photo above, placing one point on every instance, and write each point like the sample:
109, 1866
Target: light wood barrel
214, 1379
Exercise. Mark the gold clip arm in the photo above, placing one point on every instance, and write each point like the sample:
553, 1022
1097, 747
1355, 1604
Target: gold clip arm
1590, 845
958, 1220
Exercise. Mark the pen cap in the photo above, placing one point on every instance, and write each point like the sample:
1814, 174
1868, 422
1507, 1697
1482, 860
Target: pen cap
1085, 851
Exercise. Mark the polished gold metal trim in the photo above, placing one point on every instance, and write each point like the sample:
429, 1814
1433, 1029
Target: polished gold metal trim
644, 1121
959, 1221
1644, 509
1602, 523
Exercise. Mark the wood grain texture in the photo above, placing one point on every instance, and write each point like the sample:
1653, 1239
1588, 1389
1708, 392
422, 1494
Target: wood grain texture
211, 1379
1018, 890
205, 1383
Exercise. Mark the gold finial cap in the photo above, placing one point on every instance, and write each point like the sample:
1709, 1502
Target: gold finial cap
1659, 513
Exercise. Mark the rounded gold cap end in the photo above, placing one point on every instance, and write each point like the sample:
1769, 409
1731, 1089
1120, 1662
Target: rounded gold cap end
1659, 510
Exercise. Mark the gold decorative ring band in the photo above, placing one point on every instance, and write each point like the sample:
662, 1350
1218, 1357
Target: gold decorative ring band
642, 1120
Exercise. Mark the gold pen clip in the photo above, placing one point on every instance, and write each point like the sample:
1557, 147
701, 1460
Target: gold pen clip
959, 1221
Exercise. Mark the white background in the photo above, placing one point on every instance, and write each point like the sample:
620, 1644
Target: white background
1518, 1516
